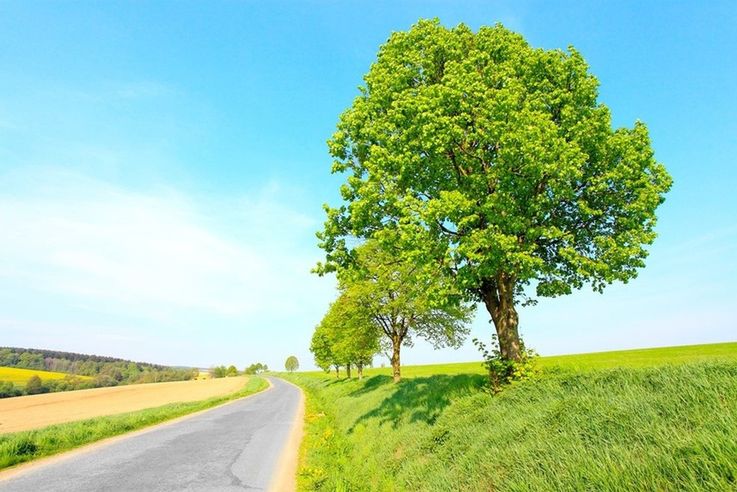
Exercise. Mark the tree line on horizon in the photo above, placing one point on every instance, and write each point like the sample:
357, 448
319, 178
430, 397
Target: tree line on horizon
479, 171
101, 371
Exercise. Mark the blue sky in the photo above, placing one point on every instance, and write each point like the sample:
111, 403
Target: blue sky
163, 167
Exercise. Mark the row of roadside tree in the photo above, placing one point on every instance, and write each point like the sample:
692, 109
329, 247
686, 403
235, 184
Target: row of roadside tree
478, 170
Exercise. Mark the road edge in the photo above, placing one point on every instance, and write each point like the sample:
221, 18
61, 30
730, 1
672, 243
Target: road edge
285, 476
28, 466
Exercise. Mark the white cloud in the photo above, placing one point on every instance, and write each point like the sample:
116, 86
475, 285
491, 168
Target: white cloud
155, 254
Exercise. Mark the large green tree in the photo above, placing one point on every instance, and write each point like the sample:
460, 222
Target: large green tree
499, 159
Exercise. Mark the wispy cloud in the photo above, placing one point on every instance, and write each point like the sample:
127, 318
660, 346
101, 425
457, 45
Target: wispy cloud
157, 254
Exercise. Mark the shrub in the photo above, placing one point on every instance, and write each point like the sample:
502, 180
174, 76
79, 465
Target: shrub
35, 386
8, 389
505, 371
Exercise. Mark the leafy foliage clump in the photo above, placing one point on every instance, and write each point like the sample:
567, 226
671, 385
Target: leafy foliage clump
223, 371
291, 364
256, 368
503, 371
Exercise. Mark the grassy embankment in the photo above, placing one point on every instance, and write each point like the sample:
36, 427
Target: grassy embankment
654, 419
24, 446
20, 376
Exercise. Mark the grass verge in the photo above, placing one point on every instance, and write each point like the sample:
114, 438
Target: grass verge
25, 446
666, 427
649, 357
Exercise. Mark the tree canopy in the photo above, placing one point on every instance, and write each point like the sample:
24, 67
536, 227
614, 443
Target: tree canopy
496, 162
322, 349
291, 364
346, 336
403, 299
256, 368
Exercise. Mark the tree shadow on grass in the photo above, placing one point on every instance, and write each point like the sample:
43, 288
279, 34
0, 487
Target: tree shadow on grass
420, 399
370, 384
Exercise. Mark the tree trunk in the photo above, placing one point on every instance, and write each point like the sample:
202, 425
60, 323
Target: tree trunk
359, 369
498, 297
348, 370
337, 371
396, 346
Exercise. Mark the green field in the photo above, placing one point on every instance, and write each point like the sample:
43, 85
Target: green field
20, 376
654, 419
649, 357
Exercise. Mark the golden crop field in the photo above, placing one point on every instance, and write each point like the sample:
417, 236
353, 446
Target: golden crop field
36, 411
20, 376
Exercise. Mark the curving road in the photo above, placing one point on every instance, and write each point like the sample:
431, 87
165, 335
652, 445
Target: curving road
233, 447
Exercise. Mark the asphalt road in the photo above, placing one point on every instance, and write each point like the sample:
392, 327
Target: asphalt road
233, 447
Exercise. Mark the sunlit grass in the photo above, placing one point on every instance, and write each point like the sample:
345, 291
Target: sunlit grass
649, 357
653, 419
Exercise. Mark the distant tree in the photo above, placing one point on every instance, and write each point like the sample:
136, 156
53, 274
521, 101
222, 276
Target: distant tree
321, 347
8, 357
231, 371
346, 336
34, 385
30, 360
291, 364
499, 159
114, 370
403, 299
256, 368
8, 389
131, 372
219, 371
103, 380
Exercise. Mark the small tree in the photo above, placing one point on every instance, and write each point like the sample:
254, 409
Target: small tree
321, 347
256, 368
345, 336
8, 389
499, 158
359, 339
231, 371
404, 298
291, 364
34, 385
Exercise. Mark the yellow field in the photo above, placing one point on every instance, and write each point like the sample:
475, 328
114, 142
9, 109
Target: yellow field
204, 375
35, 411
20, 376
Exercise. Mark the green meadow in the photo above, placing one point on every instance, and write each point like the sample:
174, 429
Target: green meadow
648, 357
650, 419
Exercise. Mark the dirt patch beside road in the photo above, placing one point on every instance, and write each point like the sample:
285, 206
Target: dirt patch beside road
31, 412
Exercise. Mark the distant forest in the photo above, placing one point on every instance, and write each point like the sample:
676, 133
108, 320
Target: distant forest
103, 371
